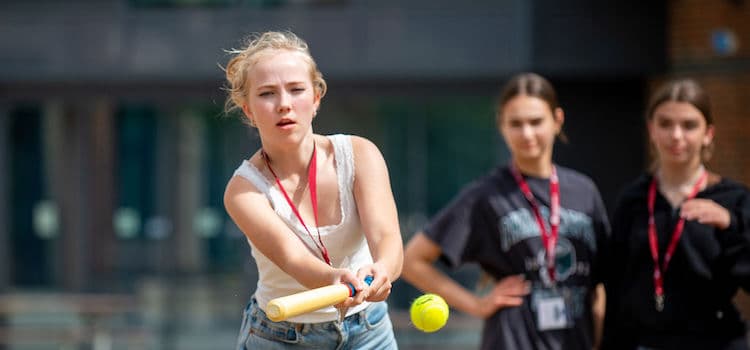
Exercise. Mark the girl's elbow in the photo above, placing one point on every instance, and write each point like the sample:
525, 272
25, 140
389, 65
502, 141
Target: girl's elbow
398, 269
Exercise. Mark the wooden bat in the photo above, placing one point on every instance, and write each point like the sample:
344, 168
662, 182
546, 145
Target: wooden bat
283, 308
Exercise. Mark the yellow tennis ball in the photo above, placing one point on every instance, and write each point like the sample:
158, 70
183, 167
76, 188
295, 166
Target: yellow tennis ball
429, 313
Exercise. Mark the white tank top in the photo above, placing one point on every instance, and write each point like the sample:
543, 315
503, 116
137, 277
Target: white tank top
345, 241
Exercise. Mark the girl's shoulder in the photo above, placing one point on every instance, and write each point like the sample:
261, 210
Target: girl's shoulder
493, 183
357, 144
731, 184
478, 192
575, 179
636, 190
725, 187
351, 149
250, 170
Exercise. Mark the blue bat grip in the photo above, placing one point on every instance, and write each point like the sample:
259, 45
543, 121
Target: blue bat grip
352, 291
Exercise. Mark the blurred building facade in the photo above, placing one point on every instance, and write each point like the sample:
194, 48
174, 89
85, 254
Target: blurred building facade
117, 150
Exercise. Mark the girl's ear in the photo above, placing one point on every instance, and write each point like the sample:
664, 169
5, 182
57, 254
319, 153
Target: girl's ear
650, 130
248, 114
316, 103
559, 116
246, 110
708, 138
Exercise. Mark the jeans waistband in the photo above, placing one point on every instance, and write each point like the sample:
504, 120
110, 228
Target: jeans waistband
355, 318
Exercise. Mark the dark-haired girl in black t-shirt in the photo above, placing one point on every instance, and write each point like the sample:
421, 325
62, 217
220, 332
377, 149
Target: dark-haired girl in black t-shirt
534, 227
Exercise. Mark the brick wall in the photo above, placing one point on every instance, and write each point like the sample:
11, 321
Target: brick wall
693, 21
730, 100
726, 77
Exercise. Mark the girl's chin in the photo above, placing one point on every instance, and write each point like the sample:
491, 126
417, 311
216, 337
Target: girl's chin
528, 156
676, 159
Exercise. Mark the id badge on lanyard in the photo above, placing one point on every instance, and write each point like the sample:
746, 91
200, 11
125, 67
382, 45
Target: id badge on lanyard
550, 309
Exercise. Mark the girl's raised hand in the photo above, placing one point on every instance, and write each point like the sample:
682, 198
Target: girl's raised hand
707, 212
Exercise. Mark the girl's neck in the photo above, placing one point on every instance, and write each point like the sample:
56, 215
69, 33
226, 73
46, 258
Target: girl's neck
541, 168
675, 176
287, 161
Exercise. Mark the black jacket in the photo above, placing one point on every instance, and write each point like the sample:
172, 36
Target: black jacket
708, 267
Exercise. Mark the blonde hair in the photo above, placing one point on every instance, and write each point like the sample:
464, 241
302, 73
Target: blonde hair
245, 58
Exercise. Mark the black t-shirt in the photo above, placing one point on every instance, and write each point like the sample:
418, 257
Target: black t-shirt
707, 268
491, 223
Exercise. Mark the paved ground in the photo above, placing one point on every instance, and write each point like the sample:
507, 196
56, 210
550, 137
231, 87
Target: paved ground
192, 321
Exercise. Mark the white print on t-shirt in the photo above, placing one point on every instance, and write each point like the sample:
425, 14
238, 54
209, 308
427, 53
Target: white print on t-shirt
565, 262
535, 263
520, 224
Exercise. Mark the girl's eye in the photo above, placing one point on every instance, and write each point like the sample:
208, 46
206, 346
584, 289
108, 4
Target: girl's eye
298, 89
265, 93
691, 125
664, 123
536, 122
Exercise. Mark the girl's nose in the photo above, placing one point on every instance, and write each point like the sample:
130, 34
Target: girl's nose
677, 132
527, 131
284, 102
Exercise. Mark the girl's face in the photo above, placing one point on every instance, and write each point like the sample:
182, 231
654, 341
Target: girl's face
529, 127
679, 132
281, 100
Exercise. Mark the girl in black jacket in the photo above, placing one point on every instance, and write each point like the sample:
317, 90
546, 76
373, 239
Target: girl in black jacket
681, 238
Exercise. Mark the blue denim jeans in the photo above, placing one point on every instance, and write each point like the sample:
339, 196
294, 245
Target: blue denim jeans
368, 329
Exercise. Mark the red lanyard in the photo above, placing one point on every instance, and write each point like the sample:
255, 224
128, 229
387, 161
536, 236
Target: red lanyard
653, 240
549, 238
313, 184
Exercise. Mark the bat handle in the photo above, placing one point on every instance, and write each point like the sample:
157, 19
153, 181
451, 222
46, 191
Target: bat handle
352, 291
